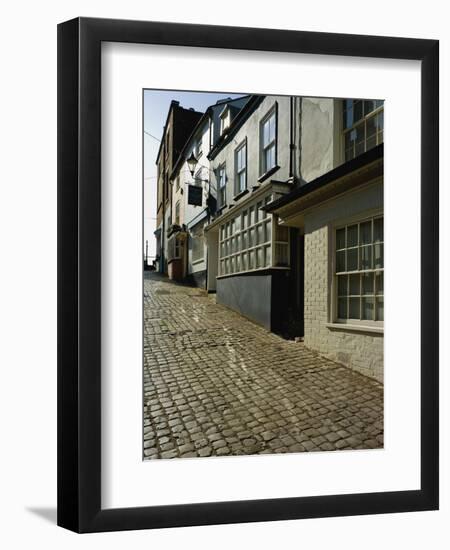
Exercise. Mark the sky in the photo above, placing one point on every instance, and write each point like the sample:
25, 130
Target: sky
156, 107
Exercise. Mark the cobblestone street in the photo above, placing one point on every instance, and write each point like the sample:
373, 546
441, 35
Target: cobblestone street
216, 384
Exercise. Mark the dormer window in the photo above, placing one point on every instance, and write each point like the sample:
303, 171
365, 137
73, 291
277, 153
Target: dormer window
225, 120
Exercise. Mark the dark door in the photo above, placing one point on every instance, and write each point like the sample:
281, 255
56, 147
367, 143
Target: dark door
296, 283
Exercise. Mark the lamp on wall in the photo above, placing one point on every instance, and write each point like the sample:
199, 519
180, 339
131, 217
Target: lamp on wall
192, 163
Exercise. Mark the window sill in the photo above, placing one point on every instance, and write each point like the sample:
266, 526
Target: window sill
199, 261
240, 194
268, 173
355, 328
221, 210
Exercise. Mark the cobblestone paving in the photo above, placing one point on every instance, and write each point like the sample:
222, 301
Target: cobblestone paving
216, 384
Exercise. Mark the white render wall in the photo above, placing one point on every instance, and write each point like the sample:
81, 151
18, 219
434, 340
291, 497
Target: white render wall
360, 351
320, 136
189, 212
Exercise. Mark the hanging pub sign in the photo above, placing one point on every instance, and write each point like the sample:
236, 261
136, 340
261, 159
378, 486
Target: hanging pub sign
195, 195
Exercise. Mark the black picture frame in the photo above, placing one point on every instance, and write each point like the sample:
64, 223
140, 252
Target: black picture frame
79, 274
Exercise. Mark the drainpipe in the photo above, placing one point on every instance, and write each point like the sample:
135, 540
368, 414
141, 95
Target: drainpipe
163, 231
291, 135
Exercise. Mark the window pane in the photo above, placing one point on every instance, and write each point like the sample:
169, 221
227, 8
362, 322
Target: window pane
357, 110
380, 309
340, 261
379, 120
342, 308
365, 232
350, 138
259, 257
266, 133
378, 229
251, 237
352, 259
281, 254
366, 257
259, 212
342, 285
251, 259
251, 216
238, 263
379, 282
268, 256
371, 127
268, 231
348, 116
379, 260
282, 233
244, 219
369, 106
260, 233
340, 238
244, 240
367, 308
272, 127
367, 283
360, 148
352, 235
353, 310
355, 285
371, 142
244, 261
269, 158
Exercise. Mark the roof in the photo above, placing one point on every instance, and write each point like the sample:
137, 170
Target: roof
236, 123
173, 104
359, 162
226, 102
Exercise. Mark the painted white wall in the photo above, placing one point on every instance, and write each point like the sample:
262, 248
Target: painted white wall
28, 222
191, 212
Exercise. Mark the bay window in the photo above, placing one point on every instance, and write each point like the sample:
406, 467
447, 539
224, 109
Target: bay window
252, 240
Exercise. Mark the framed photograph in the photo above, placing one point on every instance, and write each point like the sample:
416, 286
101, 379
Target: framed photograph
234, 206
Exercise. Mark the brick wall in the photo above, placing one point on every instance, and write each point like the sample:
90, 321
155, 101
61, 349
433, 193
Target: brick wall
360, 351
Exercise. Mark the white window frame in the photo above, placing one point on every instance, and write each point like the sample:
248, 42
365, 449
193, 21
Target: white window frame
370, 323
239, 172
239, 246
359, 124
273, 112
222, 186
